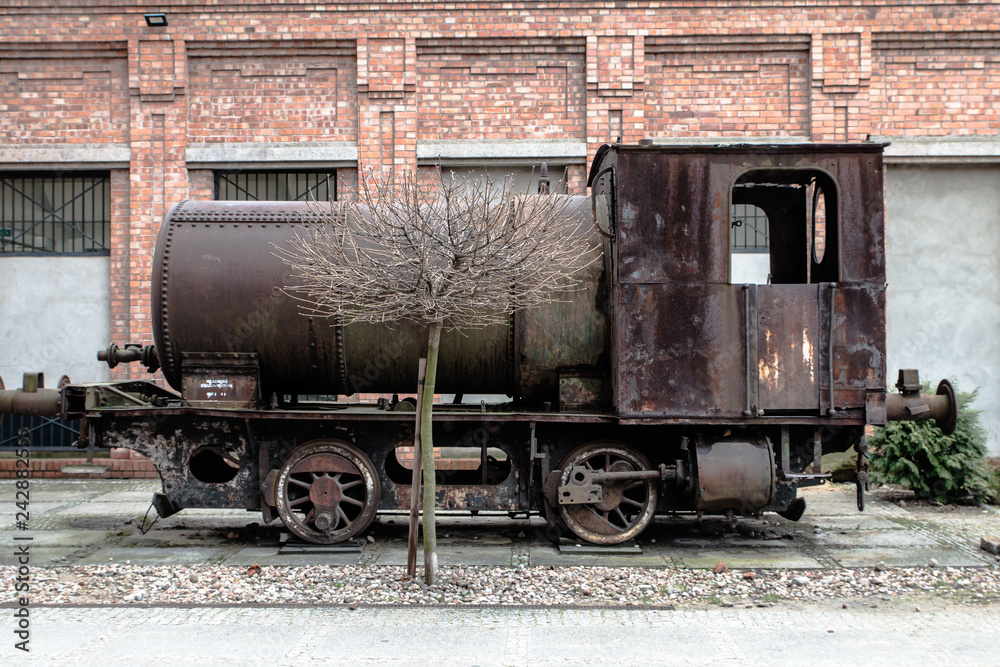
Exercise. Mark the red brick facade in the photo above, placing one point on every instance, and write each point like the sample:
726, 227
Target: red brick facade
384, 78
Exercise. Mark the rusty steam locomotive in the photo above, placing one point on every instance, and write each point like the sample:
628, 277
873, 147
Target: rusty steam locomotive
668, 384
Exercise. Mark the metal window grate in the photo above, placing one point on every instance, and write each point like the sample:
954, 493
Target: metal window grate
44, 433
275, 185
55, 213
749, 229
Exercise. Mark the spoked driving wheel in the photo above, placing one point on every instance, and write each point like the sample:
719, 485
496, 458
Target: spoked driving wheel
625, 508
327, 491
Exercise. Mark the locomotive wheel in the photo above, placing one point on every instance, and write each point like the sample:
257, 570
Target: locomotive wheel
327, 491
625, 509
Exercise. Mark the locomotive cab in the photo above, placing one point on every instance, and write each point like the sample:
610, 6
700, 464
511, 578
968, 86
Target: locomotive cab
749, 291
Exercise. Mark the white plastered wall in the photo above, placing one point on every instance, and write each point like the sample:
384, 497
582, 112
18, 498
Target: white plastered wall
943, 271
54, 317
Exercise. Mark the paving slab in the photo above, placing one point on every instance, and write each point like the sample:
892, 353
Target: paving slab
869, 539
269, 556
770, 646
151, 555
902, 557
858, 522
40, 556
172, 538
396, 554
350, 643
148, 644
56, 538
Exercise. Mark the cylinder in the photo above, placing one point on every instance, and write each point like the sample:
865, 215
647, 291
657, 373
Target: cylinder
219, 287
734, 473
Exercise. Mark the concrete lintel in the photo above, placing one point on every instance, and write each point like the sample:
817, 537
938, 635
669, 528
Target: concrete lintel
728, 141
510, 152
65, 155
268, 154
942, 150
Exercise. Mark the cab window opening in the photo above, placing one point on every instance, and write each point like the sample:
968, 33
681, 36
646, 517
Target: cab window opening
783, 227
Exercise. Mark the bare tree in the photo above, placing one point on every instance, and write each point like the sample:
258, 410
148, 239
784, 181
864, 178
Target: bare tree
455, 254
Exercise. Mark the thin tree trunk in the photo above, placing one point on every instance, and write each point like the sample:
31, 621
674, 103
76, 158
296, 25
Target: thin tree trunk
427, 454
411, 547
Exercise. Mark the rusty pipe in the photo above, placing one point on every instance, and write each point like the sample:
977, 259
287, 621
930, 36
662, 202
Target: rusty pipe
32, 400
910, 405
131, 353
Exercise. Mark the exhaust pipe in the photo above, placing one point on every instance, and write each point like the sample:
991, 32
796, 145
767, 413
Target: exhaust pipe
910, 405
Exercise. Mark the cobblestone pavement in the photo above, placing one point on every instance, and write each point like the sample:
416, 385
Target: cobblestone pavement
810, 635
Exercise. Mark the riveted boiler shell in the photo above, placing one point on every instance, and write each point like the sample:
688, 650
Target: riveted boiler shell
218, 288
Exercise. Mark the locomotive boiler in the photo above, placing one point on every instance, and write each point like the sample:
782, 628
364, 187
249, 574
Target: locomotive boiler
680, 377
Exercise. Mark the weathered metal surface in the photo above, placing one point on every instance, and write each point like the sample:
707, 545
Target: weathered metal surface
862, 212
858, 343
219, 289
571, 332
673, 219
681, 350
39, 402
131, 353
788, 347
577, 392
170, 442
735, 474
672, 252
914, 406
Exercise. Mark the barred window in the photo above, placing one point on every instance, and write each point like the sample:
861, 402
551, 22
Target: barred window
66, 213
748, 229
276, 185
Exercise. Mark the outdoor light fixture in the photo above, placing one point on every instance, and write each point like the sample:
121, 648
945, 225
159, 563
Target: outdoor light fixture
156, 20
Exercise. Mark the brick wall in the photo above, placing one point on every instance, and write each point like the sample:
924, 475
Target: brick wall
122, 464
384, 78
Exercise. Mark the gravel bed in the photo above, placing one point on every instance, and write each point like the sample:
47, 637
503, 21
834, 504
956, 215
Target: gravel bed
592, 586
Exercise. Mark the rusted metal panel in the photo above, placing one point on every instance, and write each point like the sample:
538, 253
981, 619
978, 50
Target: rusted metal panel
220, 380
580, 392
681, 351
858, 343
570, 333
217, 287
862, 213
673, 218
383, 358
788, 347
170, 442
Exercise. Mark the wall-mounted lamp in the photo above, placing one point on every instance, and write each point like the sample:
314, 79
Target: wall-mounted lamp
156, 20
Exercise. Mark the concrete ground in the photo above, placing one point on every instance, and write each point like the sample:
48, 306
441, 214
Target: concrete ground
88, 522
94, 522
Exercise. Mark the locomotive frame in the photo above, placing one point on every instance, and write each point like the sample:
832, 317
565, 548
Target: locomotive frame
663, 387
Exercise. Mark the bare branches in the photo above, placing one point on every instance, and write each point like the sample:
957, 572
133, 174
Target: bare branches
464, 252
